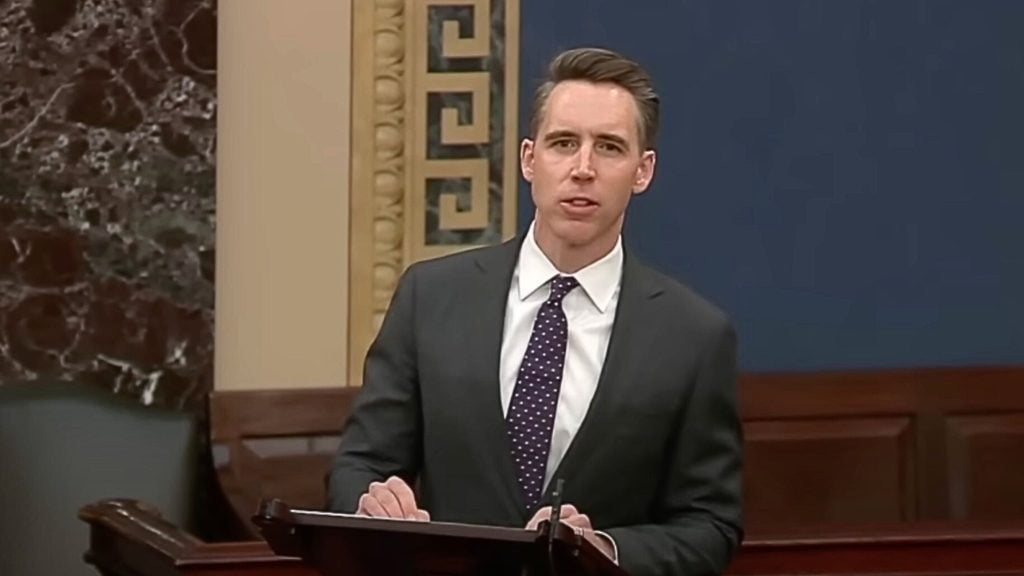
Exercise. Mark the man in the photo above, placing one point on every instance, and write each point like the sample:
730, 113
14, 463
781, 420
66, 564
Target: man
559, 356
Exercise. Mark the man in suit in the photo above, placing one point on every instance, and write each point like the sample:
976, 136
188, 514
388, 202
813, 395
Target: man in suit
559, 356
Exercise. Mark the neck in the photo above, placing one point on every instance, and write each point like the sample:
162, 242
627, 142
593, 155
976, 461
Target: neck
568, 258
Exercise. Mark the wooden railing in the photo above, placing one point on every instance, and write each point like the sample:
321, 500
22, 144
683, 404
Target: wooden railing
129, 538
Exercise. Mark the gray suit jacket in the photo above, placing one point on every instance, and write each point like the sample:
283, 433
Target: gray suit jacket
656, 463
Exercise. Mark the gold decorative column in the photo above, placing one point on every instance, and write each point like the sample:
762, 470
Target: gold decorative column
434, 142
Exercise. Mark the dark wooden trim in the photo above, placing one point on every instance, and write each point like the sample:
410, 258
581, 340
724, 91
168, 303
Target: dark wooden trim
129, 538
917, 547
282, 412
881, 392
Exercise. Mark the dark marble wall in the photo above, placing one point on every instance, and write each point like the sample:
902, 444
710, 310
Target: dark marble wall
107, 135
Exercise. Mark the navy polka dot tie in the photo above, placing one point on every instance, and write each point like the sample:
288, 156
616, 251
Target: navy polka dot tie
531, 414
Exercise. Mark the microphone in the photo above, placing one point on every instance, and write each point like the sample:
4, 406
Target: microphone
556, 517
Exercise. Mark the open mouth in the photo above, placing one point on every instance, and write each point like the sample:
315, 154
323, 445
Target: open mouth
579, 202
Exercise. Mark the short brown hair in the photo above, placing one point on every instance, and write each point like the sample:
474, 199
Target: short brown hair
600, 65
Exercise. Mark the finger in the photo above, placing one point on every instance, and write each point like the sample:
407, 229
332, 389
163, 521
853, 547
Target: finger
581, 521
567, 511
386, 499
422, 516
406, 499
541, 515
369, 506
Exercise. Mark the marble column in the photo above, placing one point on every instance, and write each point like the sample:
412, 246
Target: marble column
107, 138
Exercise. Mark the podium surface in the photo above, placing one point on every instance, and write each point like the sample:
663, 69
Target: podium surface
336, 544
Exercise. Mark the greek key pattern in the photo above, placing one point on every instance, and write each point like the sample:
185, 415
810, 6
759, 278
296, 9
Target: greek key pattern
464, 187
434, 163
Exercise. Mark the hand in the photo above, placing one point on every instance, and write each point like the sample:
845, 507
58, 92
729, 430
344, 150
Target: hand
391, 499
580, 522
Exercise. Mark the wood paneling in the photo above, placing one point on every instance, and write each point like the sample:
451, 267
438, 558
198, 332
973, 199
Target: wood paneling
275, 443
872, 446
802, 470
986, 477
877, 446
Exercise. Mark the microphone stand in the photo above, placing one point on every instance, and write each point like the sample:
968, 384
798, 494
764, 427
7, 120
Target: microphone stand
556, 518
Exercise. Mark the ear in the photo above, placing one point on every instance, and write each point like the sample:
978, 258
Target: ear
645, 171
526, 159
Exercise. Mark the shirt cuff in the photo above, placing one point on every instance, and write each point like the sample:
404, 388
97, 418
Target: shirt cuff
615, 547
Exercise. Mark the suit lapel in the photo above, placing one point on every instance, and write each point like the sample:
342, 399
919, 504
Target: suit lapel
635, 311
486, 312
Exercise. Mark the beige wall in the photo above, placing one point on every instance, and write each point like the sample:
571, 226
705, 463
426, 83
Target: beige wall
282, 193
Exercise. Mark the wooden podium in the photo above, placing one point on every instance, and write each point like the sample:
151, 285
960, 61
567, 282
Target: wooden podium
342, 544
128, 538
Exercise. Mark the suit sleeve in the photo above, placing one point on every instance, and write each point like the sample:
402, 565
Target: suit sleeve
699, 516
381, 438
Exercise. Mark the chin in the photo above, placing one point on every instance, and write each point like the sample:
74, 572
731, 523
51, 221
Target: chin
575, 235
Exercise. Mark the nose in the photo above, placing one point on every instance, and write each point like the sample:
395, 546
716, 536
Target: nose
584, 168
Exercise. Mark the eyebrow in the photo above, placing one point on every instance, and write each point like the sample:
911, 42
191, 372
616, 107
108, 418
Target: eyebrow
606, 136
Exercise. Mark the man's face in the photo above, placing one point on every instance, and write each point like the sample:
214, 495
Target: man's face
585, 164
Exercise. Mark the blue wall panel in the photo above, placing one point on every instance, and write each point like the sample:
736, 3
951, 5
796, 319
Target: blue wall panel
846, 179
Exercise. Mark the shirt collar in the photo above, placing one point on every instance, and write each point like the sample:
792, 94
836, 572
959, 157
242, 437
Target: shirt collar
599, 280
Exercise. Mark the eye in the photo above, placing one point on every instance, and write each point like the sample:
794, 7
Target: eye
609, 147
563, 144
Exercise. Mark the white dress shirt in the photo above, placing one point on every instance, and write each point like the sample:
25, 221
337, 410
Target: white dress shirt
590, 313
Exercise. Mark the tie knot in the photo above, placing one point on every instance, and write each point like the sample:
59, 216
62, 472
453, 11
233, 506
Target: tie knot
560, 286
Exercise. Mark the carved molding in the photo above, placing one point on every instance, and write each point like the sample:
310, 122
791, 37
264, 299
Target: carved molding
427, 180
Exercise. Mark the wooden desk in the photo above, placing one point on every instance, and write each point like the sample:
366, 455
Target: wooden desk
130, 539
